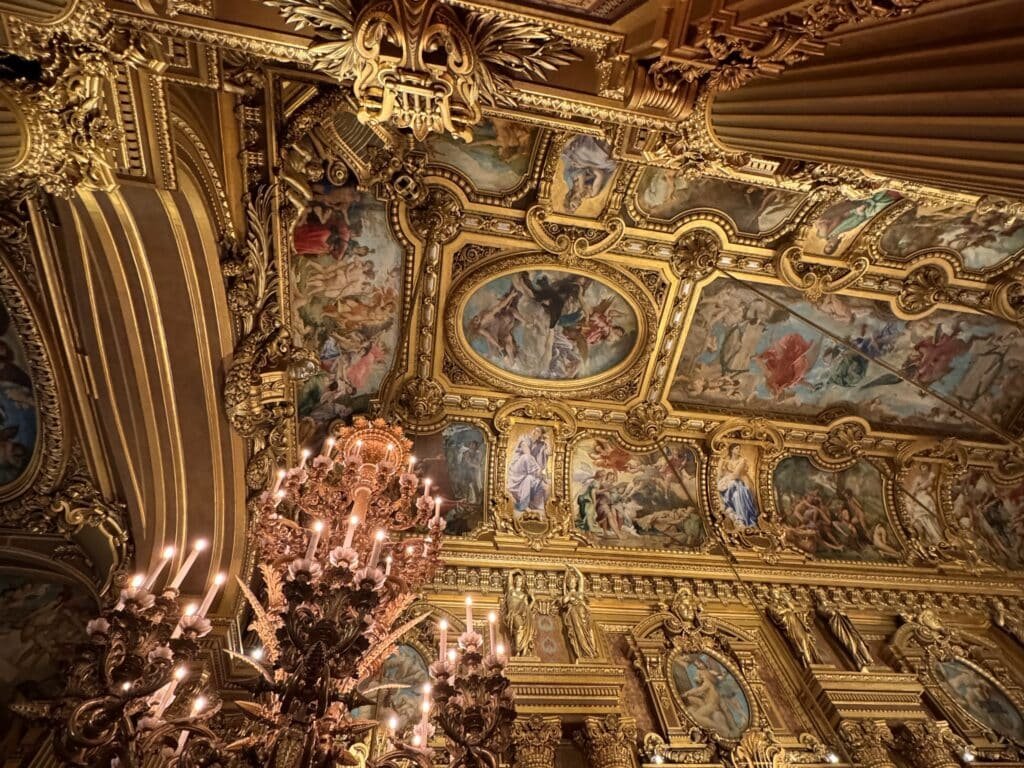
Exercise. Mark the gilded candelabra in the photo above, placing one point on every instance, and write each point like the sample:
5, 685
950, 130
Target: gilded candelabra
344, 543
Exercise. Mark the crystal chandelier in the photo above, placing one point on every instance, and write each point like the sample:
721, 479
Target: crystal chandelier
344, 543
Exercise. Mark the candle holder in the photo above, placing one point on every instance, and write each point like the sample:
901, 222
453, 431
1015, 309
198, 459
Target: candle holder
131, 675
343, 544
474, 704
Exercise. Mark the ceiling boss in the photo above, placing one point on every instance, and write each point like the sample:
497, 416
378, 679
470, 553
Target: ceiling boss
422, 65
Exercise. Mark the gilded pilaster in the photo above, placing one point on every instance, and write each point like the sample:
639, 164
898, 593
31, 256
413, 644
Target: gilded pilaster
928, 744
536, 738
868, 742
609, 742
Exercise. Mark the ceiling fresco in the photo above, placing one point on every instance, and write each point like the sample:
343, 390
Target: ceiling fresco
550, 324
346, 283
575, 282
759, 348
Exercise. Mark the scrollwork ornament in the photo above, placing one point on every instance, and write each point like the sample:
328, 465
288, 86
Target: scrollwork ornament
816, 282
421, 400
573, 243
696, 254
844, 443
758, 748
924, 288
437, 218
646, 421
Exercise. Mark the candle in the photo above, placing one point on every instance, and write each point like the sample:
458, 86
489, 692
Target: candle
426, 712
305, 455
426, 487
499, 650
278, 498
353, 521
197, 706
389, 456
452, 655
314, 538
412, 462
387, 565
179, 577
442, 627
492, 619
190, 610
168, 553
359, 450
137, 580
328, 447
218, 580
469, 613
167, 696
281, 475
437, 507
392, 724
378, 542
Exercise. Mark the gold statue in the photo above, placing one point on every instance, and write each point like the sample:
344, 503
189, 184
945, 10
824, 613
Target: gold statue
517, 612
1010, 623
795, 625
843, 630
579, 628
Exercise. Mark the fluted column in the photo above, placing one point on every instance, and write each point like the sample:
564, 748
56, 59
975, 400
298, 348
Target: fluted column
536, 738
868, 742
929, 744
609, 742
936, 96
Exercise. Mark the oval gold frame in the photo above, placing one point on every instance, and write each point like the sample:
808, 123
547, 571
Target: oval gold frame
753, 711
488, 373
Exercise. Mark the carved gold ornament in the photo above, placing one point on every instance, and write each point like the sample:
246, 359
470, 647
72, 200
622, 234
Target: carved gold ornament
423, 65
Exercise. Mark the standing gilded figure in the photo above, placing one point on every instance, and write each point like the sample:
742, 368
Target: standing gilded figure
517, 614
576, 618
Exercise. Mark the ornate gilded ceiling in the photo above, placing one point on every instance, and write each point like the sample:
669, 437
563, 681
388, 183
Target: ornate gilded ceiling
683, 366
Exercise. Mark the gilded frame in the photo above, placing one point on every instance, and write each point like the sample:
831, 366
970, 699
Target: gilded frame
596, 386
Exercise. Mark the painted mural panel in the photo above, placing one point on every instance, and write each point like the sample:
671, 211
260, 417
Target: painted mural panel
635, 499
583, 176
981, 698
919, 499
550, 324
737, 487
498, 158
835, 515
40, 623
994, 514
711, 694
840, 224
982, 240
768, 349
404, 668
455, 460
346, 276
529, 470
19, 418
667, 194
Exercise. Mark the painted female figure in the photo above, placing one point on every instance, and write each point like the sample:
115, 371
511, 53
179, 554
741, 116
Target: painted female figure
736, 488
587, 169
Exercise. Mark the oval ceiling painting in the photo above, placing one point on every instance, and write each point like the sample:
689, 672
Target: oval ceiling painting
550, 324
18, 417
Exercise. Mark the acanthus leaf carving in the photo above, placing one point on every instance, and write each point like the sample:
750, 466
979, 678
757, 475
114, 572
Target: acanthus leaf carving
696, 254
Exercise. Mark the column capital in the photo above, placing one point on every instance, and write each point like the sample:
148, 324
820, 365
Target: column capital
536, 737
610, 742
